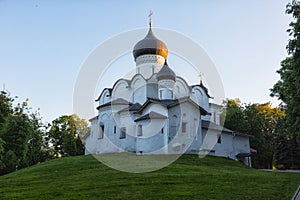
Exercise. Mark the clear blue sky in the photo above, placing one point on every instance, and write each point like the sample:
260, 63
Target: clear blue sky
44, 43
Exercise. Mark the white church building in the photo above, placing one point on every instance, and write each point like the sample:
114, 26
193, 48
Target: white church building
157, 112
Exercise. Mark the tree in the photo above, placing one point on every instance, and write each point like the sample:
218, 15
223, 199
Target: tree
234, 114
20, 135
258, 120
1, 153
287, 89
65, 133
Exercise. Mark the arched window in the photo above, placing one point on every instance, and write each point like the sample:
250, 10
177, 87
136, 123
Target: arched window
140, 130
101, 132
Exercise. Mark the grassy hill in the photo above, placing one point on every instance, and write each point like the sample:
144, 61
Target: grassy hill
83, 177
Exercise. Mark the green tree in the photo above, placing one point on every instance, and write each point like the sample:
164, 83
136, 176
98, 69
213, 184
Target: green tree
1, 154
5, 111
258, 120
287, 89
20, 135
65, 133
234, 114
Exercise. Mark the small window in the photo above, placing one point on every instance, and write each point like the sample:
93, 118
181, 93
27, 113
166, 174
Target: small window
140, 130
101, 134
115, 129
162, 131
183, 127
123, 133
219, 138
215, 117
160, 94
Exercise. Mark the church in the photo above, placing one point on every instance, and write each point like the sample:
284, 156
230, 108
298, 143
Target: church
157, 112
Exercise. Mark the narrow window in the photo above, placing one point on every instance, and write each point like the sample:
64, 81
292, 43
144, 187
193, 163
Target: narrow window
160, 94
115, 129
123, 133
162, 131
219, 138
101, 132
140, 130
183, 127
215, 117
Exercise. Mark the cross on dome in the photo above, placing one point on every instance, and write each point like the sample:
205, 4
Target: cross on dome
150, 18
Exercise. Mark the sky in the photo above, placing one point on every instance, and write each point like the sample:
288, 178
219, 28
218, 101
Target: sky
43, 44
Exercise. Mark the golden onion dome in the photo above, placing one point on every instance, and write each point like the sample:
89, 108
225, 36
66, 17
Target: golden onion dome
150, 45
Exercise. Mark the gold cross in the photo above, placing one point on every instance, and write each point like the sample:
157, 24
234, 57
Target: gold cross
150, 18
201, 76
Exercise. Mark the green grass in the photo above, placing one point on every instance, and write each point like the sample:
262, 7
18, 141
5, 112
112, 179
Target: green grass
83, 177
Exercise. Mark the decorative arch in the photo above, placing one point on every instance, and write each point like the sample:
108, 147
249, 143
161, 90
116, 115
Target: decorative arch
138, 85
181, 88
121, 89
200, 97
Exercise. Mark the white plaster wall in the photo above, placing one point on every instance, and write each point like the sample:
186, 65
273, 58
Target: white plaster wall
199, 96
152, 139
225, 148
105, 97
215, 111
181, 141
138, 86
241, 144
209, 139
181, 89
95, 144
121, 90
90, 143
146, 70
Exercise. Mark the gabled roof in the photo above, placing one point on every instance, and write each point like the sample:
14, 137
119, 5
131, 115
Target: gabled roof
118, 101
211, 125
151, 115
133, 107
169, 103
109, 90
96, 117
203, 87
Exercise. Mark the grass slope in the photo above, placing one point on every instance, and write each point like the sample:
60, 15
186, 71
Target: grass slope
83, 177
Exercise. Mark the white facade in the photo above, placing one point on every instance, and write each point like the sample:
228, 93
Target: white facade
157, 112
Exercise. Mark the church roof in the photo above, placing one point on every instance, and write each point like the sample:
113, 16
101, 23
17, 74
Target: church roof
133, 107
150, 45
109, 90
118, 101
96, 117
169, 103
151, 115
166, 73
203, 87
211, 125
